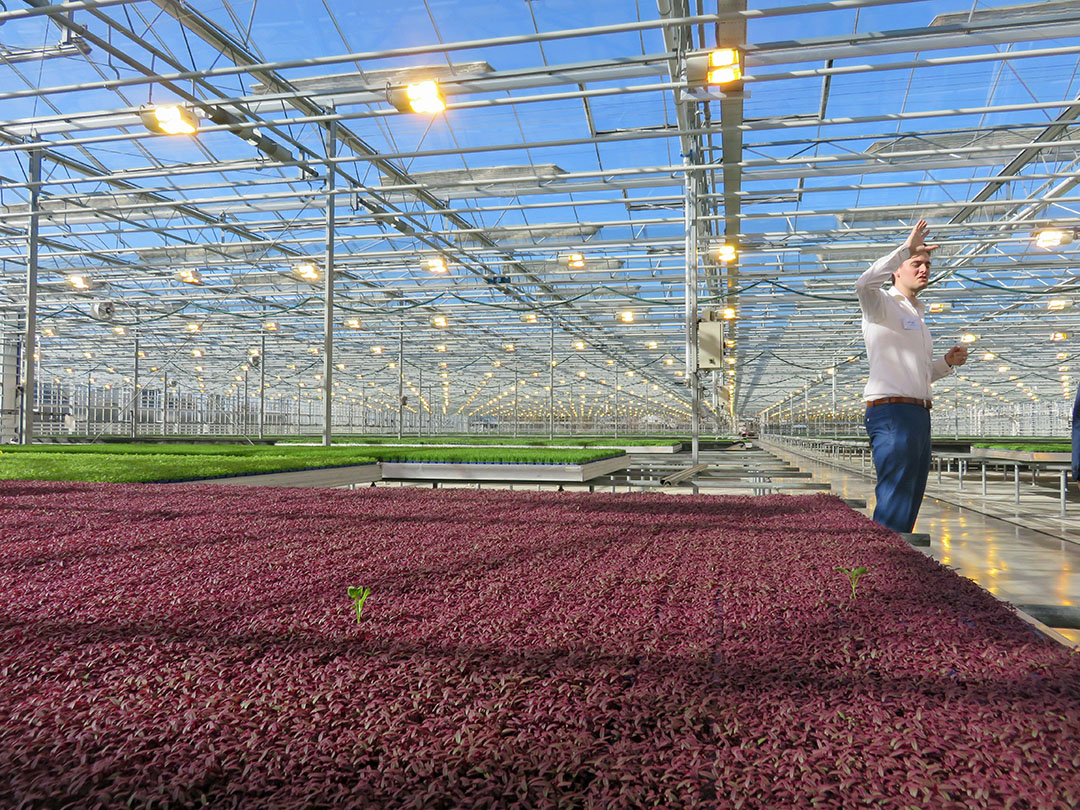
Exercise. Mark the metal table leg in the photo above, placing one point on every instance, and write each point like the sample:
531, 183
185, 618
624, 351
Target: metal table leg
1063, 476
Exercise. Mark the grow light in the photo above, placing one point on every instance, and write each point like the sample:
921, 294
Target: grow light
420, 97
169, 119
189, 276
1051, 238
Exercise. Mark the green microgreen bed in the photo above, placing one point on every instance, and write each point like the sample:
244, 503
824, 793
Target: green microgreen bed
133, 463
1029, 447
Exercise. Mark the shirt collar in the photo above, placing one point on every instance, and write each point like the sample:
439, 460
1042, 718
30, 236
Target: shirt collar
918, 305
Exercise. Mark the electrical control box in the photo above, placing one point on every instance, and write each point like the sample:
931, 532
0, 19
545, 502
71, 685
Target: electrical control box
710, 340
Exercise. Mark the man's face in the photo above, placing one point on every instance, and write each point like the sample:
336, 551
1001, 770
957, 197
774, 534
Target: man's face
914, 274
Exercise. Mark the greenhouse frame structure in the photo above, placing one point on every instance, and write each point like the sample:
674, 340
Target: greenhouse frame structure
545, 254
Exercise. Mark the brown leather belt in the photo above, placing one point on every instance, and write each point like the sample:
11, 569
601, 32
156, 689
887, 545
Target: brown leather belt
925, 403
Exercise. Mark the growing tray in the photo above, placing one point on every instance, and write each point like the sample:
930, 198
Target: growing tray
322, 477
495, 471
1020, 455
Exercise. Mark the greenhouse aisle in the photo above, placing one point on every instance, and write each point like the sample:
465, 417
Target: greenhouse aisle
1012, 562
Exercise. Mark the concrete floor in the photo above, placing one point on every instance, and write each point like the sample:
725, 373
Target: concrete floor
1013, 562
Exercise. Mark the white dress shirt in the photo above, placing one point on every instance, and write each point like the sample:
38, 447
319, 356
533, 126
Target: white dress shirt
898, 343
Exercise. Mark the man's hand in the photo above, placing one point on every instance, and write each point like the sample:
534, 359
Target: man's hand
917, 238
956, 356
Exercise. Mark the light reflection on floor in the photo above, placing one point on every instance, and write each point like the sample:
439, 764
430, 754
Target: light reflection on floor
1013, 563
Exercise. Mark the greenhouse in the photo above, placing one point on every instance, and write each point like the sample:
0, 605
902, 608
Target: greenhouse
462, 403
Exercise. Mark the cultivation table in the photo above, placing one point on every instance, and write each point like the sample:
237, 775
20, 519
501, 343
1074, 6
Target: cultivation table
1061, 463
522, 473
753, 470
324, 477
990, 502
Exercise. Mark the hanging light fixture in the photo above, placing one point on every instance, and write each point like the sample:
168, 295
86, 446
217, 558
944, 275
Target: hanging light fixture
421, 97
169, 119
306, 271
189, 276
1052, 238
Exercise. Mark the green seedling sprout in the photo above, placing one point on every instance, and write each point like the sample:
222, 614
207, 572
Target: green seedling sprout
359, 596
854, 575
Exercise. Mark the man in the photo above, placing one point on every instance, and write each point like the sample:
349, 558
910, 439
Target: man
902, 367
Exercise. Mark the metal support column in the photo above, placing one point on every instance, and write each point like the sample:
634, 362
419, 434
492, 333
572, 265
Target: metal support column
262, 384
616, 367
400, 372
834, 420
135, 394
26, 434
806, 407
551, 383
328, 288
690, 214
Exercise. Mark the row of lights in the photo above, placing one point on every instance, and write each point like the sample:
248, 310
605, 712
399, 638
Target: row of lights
720, 67
424, 97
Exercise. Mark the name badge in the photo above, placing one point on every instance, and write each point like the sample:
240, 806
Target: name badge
911, 323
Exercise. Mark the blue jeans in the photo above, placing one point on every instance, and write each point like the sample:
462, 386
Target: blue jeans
900, 441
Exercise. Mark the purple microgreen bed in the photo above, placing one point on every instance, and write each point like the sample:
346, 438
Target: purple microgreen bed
175, 646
